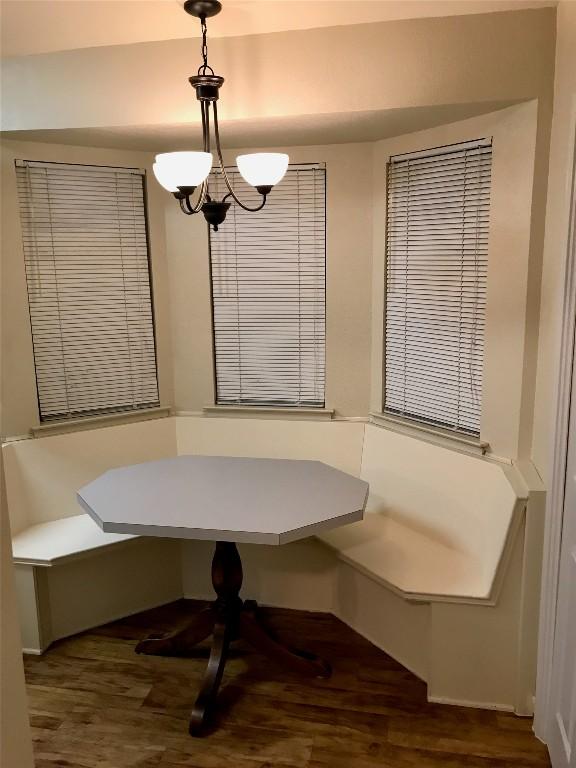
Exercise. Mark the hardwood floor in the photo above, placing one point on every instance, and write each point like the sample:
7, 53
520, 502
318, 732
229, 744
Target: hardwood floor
96, 704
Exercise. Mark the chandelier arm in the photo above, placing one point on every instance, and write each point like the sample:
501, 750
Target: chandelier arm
252, 210
185, 204
203, 194
223, 169
187, 207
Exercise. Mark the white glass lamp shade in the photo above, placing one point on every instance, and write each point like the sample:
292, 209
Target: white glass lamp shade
263, 169
182, 169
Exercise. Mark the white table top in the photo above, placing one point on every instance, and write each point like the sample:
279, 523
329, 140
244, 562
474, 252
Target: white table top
258, 501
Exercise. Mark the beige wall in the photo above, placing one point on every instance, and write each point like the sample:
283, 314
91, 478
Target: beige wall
416, 62
348, 284
514, 132
421, 62
15, 743
182, 286
450, 60
20, 409
355, 231
556, 238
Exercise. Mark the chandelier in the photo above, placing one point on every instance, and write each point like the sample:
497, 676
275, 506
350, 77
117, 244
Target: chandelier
183, 172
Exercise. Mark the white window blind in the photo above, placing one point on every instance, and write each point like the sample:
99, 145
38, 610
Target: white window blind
437, 260
268, 293
87, 270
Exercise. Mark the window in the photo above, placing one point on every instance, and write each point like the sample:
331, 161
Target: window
268, 294
88, 277
437, 258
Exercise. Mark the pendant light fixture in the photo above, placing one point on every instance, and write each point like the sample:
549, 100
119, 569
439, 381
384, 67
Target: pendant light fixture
183, 172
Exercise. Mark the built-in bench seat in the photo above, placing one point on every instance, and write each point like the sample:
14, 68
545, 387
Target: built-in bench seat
69, 574
434, 574
39, 549
437, 522
58, 541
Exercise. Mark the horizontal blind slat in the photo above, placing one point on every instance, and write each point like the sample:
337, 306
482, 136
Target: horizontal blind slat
268, 294
436, 281
87, 271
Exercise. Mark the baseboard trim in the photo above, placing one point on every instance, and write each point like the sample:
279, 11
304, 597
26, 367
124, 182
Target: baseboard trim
472, 704
32, 652
448, 701
205, 597
116, 616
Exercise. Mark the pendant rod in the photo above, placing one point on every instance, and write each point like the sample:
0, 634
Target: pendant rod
205, 110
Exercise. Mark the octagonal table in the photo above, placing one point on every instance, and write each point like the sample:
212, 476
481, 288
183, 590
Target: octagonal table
229, 501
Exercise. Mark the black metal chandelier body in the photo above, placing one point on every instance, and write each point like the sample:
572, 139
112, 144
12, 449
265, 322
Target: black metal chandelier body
261, 170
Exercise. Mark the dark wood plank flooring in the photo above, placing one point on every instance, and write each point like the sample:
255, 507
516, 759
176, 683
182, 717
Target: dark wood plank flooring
94, 703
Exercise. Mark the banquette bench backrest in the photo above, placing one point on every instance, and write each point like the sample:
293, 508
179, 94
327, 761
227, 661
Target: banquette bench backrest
43, 474
464, 500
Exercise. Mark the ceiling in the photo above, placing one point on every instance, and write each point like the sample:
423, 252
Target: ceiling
43, 26
302, 130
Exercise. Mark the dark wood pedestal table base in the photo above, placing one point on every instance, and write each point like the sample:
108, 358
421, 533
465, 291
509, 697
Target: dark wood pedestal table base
228, 618
241, 500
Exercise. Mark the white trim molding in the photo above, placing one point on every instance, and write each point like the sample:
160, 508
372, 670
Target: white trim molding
269, 412
555, 501
102, 420
430, 433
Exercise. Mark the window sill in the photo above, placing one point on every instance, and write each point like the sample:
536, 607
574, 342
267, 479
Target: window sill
431, 434
269, 412
97, 422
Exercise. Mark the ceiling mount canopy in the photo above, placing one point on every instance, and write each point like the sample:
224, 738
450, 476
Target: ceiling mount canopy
205, 8
183, 172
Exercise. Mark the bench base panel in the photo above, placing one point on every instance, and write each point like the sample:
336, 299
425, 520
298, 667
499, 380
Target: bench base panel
62, 600
469, 655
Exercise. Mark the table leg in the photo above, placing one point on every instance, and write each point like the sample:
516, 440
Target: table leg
227, 619
206, 700
227, 581
181, 642
300, 662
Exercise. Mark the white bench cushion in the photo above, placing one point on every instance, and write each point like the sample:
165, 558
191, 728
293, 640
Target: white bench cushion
49, 543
